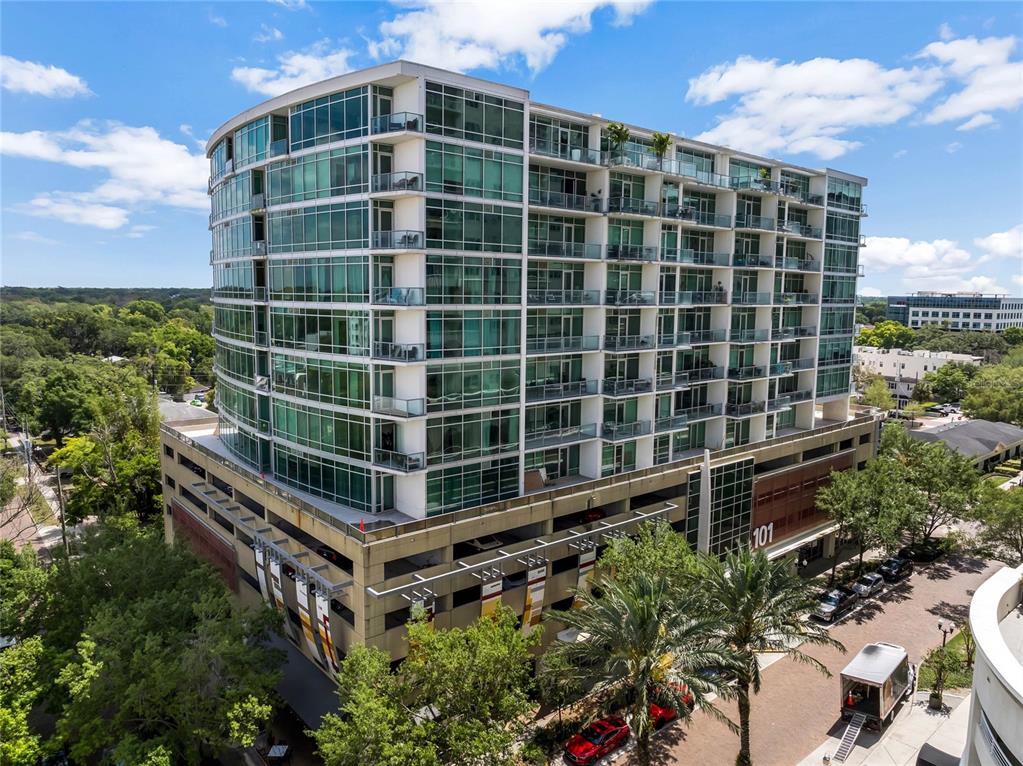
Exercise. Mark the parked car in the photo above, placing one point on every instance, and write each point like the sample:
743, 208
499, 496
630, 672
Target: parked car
596, 740
836, 602
924, 551
894, 569
662, 709
484, 543
661, 715
869, 585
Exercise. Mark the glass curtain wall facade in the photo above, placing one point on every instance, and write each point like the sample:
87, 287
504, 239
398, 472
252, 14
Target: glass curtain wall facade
431, 293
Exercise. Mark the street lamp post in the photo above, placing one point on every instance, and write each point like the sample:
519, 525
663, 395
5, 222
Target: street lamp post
946, 630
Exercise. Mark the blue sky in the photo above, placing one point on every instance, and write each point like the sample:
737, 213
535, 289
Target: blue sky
105, 108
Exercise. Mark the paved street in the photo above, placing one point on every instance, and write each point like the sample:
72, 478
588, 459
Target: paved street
797, 708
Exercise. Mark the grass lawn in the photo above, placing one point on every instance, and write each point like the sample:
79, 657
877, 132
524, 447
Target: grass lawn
996, 480
961, 679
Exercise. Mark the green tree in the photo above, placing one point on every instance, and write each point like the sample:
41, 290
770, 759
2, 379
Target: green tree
1013, 335
762, 605
887, 334
618, 136
877, 394
645, 636
660, 143
656, 550
1000, 513
59, 396
146, 308
20, 689
948, 383
994, 394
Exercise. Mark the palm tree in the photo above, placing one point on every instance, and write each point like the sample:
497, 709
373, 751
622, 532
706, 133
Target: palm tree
644, 637
763, 604
618, 135
660, 142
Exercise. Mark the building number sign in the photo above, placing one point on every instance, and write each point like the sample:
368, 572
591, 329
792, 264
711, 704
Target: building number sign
762, 535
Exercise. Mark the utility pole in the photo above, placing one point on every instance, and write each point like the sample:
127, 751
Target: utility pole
63, 525
27, 442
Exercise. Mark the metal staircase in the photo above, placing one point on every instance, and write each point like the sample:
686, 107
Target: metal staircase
852, 731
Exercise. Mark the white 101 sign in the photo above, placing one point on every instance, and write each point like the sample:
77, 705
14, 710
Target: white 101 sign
763, 535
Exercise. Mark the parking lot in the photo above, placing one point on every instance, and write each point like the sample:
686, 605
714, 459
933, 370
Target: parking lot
797, 707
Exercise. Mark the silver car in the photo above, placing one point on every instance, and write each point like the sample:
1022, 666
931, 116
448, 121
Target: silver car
869, 585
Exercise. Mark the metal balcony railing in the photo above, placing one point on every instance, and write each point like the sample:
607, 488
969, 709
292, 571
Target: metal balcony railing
752, 335
705, 177
399, 296
562, 343
694, 298
399, 121
761, 222
550, 437
398, 239
563, 297
565, 152
398, 181
751, 299
399, 461
669, 381
565, 201
801, 299
406, 408
788, 333
553, 249
797, 264
617, 431
704, 374
696, 257
569, 390
750, 183
399, 352
752, 261
749, 372
628, 342
621, 387
633, 206
800, 229
744, 410
631, 253
707, 336
673, 340
704, 218
671, 422
630, 298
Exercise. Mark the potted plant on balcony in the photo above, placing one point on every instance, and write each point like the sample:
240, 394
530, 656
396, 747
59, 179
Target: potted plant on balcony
660, 143
618, 136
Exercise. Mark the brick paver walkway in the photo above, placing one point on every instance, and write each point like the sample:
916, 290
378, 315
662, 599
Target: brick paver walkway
797, 707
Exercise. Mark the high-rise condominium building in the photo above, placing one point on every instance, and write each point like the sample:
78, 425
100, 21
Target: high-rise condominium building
463, 338
957, 311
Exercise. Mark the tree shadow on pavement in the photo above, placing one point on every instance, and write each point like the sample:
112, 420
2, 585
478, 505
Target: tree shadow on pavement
956, 613
664, 744
948, 567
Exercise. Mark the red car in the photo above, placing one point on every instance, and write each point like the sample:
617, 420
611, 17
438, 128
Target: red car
661, 716
596, 740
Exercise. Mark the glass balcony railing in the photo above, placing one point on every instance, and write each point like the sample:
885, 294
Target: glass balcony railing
779, 368
633, 159
796, 264
695, 298
799, 229
628, 342
790, 366
752, 335
564, 343
258, 202
752, 261
671, 422
279, 147
400, 181
399, 296
565, 201
565, 152
399, 121
707, 336
797, 192
399, 461
569, 390
702, 412
761, 222
552, 249
794, 299
673, 340
704, 177
405, 408
696, 257
749, 183
399, 352
399, 239
751, 299
779, 403
620, 387
631, 253
259, 248
705, 374
616, 431
747, 373
670, 381
565, 435
788, 333
632, 206
704, 218
745, 410
799, 396
563, 297
630, 297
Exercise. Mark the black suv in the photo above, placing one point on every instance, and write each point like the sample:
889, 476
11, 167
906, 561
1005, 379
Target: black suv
922, 551
893, 569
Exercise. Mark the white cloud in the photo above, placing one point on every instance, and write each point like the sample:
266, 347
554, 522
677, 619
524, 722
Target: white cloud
217, 21
953, 147
296, 68
991, 81
138, 231
291, 5
491, 34
882, 253
977, 121
40, 79
1003, 244
268, 34
870, 292
807, 106
945, 31
140, 168
900, 154
31, 236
